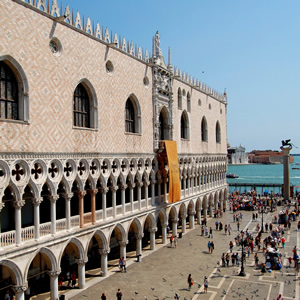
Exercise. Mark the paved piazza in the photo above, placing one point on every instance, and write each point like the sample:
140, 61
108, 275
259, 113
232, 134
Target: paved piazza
164, 272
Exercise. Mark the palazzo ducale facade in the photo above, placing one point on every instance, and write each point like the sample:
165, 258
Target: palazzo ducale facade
84, 173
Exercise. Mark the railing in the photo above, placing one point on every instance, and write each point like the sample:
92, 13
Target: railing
135, 205
61, 225
87, 218
45, 229
119, 210
99, 215
127, 207
27, 233
8, 238
109, 212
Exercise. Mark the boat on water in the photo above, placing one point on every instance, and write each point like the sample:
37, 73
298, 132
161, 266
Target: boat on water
296, 168
231, 175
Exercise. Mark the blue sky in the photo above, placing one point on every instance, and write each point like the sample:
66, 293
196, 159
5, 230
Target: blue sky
251, 48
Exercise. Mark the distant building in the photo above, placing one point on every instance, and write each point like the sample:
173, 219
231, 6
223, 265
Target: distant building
237, 155
267, 157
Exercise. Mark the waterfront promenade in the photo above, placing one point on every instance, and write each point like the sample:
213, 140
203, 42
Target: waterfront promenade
164, 272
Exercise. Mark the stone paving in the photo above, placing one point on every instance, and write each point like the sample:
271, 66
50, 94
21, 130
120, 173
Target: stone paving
163, 273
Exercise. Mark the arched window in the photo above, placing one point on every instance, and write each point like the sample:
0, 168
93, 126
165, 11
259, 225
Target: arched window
179, 99
204, 135
164, 128
218, 132
188, 104
184, 126
129, 117
8, 93
81, 107
132, 115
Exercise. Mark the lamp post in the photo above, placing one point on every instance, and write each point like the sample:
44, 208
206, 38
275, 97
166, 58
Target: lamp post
262, 216
242, 272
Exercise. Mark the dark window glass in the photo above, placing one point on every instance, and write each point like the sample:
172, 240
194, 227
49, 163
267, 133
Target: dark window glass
129, 117
81, 107
8, 93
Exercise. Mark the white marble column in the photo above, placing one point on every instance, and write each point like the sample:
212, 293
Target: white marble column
174, 227
146, 184
184, 185
205, 213
164, 232
53, 284
183, 223
36, 206
153, 193
104, 192
138, 249
131, 187
93, 193
68, 197
18, 220
152, 238
210, 209
81, 272
139, 187
81, 195
114, 201
123, 189
159, 189
199, 216
19, 291
122, 245
104, 253
53, 200
192, 219
165, 180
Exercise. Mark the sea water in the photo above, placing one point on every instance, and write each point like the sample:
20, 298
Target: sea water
264, 174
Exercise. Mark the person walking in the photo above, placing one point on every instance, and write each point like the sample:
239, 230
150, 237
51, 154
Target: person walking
229, 229
256, 259
212, 247
208, 246
230, 246
210, 233
171, 240
124, 264
205, 281
190, 281
119, 295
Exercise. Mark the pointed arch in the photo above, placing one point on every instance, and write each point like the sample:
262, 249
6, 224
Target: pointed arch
164, 118
218, 133
184, 126
132, 115
204, 131
179, 95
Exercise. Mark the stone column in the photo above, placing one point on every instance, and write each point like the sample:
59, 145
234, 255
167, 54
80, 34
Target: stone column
221, 206
123, 188
53, 284
81, 195
1, 207
164, 233
93, 205
36, 206
286, 172
81, 272
68, 197
131, 186
104, 253
199, 215
19, 291
210, 209
152, 238
122, 245
18, 220
205, 213
192, 219
165, 180
188, 184
139, 187
159, 189
104, 191
174, 227
114, 201
138, 244
53, 200
184, 185
146, 184
183, 222
153, 192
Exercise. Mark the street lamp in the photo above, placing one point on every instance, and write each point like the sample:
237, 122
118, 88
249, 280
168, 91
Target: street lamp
242, 272
262, 216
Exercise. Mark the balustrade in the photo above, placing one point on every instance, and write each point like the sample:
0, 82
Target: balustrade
27, 233
8, 238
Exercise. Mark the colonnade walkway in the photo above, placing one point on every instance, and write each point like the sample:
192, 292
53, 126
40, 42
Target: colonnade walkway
163, 273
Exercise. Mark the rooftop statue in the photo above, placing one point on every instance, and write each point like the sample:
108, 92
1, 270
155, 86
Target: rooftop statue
286, 143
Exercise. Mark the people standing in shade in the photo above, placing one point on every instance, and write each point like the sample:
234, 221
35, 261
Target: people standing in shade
190, 281
119, 295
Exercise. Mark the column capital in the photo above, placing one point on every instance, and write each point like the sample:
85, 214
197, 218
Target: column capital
81, 193
81, 261
152, 230
18, 203
138, 236
122, 243
183, 216
67, 196
19, 288
93, 192
165, 225
124, 187
153, 181
53, 198
54, 273
140, 184
175, 221
104, 251
131, 185
192, 213
104, 190
37, 201
114, 188
146, 183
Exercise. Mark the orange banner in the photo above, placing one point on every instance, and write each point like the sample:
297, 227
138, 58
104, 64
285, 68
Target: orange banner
174, 180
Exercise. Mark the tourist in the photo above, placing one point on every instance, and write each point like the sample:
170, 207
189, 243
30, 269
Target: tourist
212, 247
230, 246
227, 258
121, 264
208, 246
229, 229
73, 277
238, 226
124, 264
256, 259
171, 240
225, 229
190, 281
210, 233
68, 276
206, 231
233, 258
205, 284
223, 260
283, 242
119, 295
202, 230
103, 296
217, 224
279, 297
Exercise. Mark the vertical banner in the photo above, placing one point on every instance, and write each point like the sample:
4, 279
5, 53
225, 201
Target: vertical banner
174, 179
